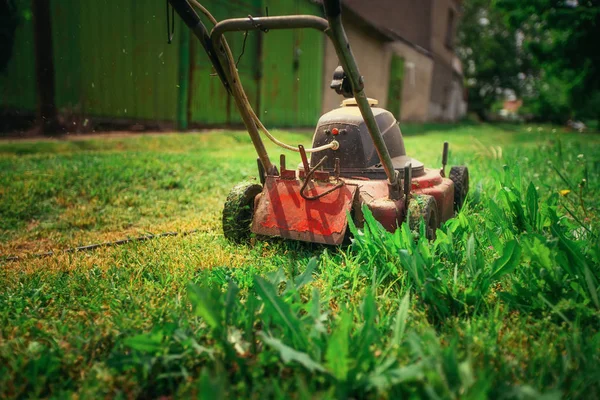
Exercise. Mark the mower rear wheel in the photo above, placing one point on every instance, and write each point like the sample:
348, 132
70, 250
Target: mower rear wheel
425, 207
460, 177
238, 211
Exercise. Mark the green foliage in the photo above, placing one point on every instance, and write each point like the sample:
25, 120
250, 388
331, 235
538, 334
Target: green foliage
561, 38
545, 51
487, 47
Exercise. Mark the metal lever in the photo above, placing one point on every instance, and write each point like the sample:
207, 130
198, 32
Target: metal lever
407, 184
308, 173
444, 160
305, 163
307, 179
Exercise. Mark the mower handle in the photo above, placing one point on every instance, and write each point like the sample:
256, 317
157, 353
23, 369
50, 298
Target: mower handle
333, 28
193, 21
333, 8
186, 12
333, 11
264, 24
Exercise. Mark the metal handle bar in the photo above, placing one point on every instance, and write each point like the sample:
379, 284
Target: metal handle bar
266, 23
186, 12
260, 24
336, 33
333, 8
333, 28
192, 20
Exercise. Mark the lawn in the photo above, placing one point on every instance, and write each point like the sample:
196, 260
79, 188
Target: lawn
503, 304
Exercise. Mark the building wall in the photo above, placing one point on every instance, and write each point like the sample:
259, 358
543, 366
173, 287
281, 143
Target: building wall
439, 29
416, 86
409, 19
447, 102
373, 59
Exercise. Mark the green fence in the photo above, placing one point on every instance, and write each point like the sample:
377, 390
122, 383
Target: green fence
210, 103
112, 60
17, 83
292, 83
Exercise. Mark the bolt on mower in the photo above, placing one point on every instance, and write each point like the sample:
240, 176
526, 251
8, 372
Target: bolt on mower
357, 157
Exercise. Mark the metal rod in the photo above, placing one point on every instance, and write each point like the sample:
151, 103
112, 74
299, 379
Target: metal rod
407, 184
444, 160
192, 20
261, 172
338, 37
266, 23
305, 163
307, 179
282, 163
246, 115
248, 24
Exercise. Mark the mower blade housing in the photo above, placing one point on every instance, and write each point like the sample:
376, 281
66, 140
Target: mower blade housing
281, 211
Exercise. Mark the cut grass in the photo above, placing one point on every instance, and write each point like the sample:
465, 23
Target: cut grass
502, 304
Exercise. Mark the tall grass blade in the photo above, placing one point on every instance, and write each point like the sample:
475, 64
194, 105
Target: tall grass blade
289, 355
507, 262
306, 277
338, 349
532, 206
277, 307
400, 322
203, 305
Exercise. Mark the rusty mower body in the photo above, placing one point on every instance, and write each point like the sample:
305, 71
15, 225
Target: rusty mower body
357, 157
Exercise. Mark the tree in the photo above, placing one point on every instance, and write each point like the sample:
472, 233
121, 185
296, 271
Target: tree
562, 38
488, 48
542, 50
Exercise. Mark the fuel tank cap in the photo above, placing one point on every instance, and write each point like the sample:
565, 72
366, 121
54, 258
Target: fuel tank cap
352, 102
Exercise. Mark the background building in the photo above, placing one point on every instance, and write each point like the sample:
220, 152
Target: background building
405, 50
113, 63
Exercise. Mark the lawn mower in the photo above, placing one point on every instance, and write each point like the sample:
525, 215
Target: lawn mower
357, 160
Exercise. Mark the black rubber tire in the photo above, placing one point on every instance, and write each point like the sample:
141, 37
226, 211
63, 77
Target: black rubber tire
239, 210
423, 206
460, 176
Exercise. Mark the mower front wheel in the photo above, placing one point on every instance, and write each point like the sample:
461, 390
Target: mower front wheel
425, 207
239, 210
460, 177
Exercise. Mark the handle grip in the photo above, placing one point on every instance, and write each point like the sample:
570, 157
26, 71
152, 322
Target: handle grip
333, 8
186, 12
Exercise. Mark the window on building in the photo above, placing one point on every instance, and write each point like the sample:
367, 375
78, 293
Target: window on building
450, 29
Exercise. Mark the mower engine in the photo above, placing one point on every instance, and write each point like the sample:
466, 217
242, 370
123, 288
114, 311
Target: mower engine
312, 203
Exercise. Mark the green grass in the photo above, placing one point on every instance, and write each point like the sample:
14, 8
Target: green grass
503, 304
